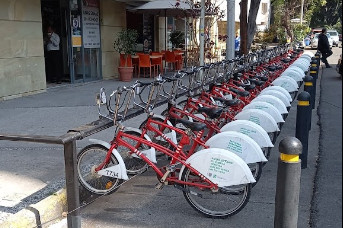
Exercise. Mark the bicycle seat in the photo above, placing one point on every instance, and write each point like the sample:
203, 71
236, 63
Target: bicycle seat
240, 93
247, 87
213, 113
194, 126
169, 79
256, 82
188, 72
227, 102
236, 76
262, 78
271, 68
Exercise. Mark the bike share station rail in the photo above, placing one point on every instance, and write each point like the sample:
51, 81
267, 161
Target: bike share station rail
68, 140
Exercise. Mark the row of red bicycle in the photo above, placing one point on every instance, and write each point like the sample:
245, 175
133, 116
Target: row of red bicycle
212, 145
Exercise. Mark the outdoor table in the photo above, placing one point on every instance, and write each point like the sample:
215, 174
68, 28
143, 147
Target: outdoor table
151, 56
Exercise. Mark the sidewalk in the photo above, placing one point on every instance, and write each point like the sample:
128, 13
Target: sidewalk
137, 203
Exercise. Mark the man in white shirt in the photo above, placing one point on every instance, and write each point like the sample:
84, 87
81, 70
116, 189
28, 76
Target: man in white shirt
53, 56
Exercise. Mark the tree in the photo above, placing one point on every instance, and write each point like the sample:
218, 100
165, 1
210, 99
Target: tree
243, 27
253, 10
248, 25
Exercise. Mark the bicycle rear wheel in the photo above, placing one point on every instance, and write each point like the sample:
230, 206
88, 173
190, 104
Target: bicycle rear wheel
224, 203
88, 159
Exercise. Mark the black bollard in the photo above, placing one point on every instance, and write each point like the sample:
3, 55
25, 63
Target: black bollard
302, 126
288, 184
308, 87
317, 56
314, 75
314, 62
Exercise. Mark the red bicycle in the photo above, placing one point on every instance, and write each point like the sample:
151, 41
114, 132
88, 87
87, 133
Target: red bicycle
215, 182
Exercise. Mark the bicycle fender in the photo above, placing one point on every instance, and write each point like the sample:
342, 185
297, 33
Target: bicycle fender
220, 166
280, 89
286, 82
259, 117
302, 64
297, 75
238, 143
276, 102
297, 69
292, 75
118, 171
279, 95
251, 129
267, 107
149, 153
172, 134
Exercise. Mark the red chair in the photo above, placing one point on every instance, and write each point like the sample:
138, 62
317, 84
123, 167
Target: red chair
171, 60
135, 63
144, 62
179, 58
157, 61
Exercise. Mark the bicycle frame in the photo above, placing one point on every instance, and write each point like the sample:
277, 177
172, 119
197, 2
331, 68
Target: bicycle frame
176, 156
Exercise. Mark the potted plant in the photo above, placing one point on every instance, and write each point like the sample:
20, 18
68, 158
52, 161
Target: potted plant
125, 44
177, 38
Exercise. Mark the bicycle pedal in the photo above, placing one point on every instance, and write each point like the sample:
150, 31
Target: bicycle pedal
159, 186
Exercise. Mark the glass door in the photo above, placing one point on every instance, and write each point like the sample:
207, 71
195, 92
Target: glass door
85, 41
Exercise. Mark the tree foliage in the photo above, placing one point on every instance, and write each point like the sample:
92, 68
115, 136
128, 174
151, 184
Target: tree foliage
285, 10
328, 14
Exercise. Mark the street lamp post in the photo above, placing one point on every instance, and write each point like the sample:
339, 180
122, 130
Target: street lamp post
230, 30
302, 12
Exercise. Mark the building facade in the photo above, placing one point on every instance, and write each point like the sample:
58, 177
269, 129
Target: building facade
86, 29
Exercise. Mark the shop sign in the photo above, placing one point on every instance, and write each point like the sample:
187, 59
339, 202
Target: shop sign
91, 28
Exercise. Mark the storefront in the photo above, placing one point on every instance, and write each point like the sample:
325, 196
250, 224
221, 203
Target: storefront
78, 25
86, 29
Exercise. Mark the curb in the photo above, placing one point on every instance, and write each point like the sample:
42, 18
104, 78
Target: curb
41, 214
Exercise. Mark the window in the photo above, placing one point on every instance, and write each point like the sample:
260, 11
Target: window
264, 8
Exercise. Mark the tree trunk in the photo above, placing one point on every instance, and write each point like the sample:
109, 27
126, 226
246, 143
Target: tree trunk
272, 11
286, 23
253, 10
243, 27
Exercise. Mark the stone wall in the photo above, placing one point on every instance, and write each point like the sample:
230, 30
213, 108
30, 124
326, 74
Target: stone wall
113, 19
22, 68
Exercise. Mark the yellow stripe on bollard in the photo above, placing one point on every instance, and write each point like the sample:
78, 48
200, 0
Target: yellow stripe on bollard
308, 84
303, 103
313, 72
289, 157
314, 65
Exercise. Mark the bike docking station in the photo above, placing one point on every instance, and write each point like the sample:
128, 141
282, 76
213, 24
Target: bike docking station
28, 218
255, 126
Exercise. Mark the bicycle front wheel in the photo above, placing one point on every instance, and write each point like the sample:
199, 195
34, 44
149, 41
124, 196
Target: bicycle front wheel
256, 171
222, 204
88, 160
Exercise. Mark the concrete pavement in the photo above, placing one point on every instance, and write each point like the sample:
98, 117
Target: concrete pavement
137, 203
